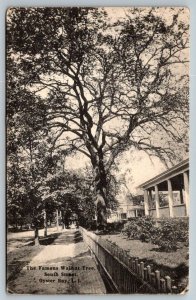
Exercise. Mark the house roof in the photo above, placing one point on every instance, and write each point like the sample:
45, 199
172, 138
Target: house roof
172, 172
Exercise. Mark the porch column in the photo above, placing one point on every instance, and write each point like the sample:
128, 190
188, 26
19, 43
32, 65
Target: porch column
157, 200
186, 192
170, 198
146, 203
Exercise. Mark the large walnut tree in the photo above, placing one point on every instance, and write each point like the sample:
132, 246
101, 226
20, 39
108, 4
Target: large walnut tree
106, 84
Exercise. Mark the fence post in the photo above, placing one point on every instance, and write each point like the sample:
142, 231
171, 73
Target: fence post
163, 286
136, 265
168, 284
153, 279
122, 255
129, 263
148, 272
157, 276
142, 269
145, 274
127, 258
116, 251
139, 269
174, 289
112, 249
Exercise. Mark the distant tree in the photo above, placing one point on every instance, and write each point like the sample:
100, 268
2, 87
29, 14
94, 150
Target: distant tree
29, 157
107, 86
73, 194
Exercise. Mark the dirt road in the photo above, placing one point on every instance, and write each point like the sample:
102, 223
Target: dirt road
63, 267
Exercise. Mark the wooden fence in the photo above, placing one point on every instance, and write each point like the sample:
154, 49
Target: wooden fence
128, 274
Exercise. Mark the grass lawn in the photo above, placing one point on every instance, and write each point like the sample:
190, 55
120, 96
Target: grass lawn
174, 264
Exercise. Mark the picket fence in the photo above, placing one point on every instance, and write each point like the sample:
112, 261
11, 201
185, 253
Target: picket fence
127, 274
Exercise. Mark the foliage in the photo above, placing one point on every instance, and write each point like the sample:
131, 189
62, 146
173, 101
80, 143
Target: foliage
116, 226
166, 234
131, 229
170, 232
138, 199
88, 72
88, 224
147, 227
139, 228
35, 171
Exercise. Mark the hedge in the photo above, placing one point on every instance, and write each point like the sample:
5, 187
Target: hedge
167, 233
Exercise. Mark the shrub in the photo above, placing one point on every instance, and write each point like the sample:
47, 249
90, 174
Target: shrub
88, 224
139, 228
180, 226
131, 230
147, 228
144, 237
165, 237
167, 233
116, 226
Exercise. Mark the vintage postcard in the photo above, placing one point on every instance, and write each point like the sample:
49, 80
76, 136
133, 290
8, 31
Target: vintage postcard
97, 150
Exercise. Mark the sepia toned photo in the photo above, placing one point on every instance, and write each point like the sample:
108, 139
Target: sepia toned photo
97, 116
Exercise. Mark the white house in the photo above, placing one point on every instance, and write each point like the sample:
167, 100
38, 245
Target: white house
167, 194
127, 209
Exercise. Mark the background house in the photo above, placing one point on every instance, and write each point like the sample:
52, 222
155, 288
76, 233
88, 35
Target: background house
133, 206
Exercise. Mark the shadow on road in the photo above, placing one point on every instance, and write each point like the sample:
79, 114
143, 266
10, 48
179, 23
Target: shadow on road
59, 238
48, 240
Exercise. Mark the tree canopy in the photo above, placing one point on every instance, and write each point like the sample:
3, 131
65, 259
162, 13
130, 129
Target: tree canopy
105, 84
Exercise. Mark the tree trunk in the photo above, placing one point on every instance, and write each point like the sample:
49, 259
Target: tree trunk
45, 224
101, 212
36, 241
100, 196
57, 220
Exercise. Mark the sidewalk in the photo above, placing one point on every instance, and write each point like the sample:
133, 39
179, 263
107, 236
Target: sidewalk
64, 267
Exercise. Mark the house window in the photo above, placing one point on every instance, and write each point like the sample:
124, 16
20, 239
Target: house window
163, 199
123, 216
